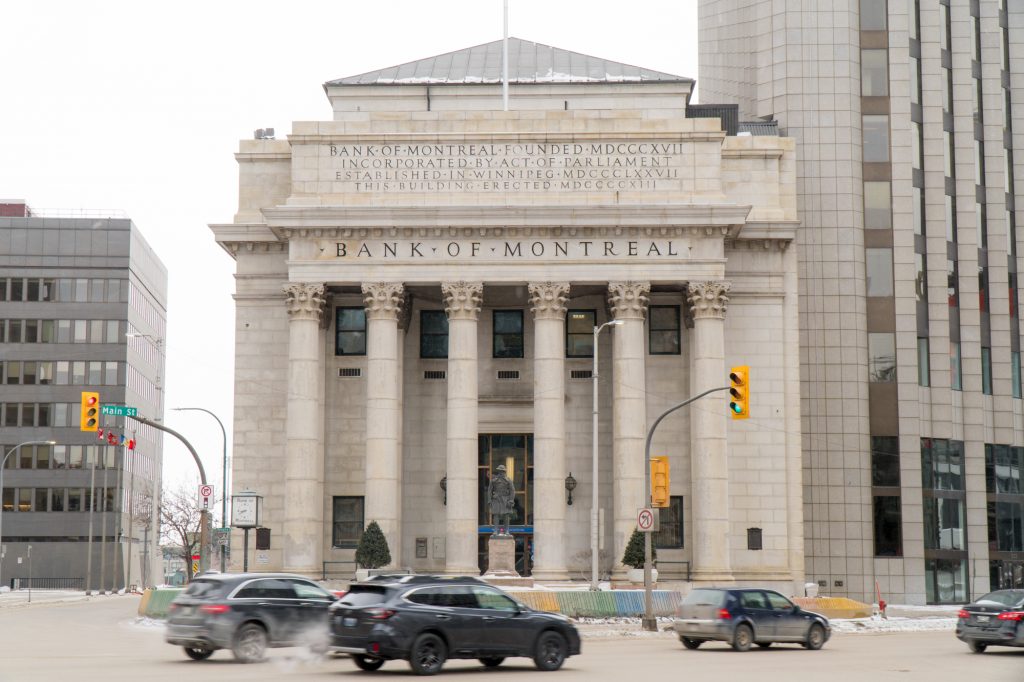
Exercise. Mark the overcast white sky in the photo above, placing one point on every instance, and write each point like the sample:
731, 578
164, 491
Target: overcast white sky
139, 106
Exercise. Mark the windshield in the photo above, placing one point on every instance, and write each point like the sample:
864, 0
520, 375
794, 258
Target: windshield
702, 597
202, 588
1004, 598
363, 595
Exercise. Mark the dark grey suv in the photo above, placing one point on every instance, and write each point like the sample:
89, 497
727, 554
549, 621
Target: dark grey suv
247, 613
746, 616
428, 619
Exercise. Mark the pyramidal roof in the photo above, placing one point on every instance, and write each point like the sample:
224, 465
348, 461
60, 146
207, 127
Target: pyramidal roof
528, 62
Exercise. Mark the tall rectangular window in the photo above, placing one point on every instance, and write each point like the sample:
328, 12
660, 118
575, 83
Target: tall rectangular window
433, 334
664, 330
877, 206
885, 461
955, 369
508, 334
579, 333
1015, 373
986, 370
882, 357
879, 270
888, 520
876, 138
923, 362
872, 15
347, 521
670, 525
874, 73
350, 330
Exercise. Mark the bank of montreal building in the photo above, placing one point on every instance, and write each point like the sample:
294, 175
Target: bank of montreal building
417, 283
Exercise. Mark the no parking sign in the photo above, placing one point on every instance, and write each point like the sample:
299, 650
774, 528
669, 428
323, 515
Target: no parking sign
205, 496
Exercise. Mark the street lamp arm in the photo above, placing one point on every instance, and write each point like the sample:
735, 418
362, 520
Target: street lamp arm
161, 427
650, 432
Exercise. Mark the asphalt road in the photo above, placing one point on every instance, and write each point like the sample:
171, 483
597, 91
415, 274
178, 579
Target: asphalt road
101, 639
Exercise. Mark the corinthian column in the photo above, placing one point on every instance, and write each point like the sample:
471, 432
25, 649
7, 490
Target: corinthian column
549, 468
628, 303
383, 497
304, 449
462, 305
710, 467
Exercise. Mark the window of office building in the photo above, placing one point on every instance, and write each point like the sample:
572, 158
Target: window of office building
887, 524
945, 581
1015, 374
664, 330
944, 523
885, 461
920, 278
876, 138
955, 367
942, 464
1004, 469
872, 15
508, 334
350, 329
433, 334
923, 362
882, 357
877, 205
874, 71
347, 521
579, 333
986, 370
670, 525
879, 270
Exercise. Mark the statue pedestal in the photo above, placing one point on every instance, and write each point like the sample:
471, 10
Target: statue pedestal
501, 562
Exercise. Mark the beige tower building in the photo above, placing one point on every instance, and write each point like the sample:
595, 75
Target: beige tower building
907, 115
419, 279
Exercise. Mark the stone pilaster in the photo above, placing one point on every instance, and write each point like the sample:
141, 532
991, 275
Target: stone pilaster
708, 453
627, 301
304, 448
462, 305
549, 466
383, 302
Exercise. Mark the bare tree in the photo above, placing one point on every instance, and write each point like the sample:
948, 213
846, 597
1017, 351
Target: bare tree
181, 521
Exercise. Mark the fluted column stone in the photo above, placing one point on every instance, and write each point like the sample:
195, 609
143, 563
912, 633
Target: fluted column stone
462, 305
628, 303
708, 453
304, 449
383, 301
549, 465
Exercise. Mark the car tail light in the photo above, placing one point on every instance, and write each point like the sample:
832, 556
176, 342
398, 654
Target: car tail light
172, 608
375, 647
1011, 615
214, 609
379, 613
723, 614
963, 615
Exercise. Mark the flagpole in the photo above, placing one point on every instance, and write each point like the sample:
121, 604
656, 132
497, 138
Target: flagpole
504, 62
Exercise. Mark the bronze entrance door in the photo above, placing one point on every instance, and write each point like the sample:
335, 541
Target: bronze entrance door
515, 451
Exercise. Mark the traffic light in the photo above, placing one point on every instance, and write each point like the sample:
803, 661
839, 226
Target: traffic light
739, 392
90, 411
659, 482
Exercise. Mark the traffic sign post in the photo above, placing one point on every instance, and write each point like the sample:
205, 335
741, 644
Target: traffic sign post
645, 520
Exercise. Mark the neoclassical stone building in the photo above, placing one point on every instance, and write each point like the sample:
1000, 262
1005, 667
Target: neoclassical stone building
418, 284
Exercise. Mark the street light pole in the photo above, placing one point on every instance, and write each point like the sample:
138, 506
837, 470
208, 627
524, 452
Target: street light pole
594, 466
224, 479
3, 463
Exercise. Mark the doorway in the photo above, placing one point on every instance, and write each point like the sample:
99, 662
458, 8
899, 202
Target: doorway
515, 451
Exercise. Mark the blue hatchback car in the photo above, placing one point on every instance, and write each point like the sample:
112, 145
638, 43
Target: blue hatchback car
745, 616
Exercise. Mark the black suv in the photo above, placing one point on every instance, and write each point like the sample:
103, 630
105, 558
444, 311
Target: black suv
248, 612
428, 619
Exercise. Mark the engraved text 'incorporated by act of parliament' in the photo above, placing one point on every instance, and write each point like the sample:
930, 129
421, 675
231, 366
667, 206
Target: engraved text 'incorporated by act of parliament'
507, 249
506, 167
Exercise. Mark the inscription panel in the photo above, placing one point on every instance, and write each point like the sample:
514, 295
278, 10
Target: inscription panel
505, 250
504, 168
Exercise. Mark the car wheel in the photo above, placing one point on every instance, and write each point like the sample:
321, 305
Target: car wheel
551, 651
977, 647
198, 653
764, 645
428, 654
742, 638
492, 661
250, 643
815, 637
367, 663
691, 643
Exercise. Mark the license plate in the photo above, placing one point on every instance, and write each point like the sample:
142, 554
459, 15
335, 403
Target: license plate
350, 622
983, 619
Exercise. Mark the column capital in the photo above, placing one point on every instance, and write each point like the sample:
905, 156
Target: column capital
708, 299
628, 300
462, 299
383, 300
548, 299
305, 301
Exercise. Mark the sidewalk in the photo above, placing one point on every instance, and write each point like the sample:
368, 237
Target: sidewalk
21, 598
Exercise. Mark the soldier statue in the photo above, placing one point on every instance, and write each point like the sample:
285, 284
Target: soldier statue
501, 496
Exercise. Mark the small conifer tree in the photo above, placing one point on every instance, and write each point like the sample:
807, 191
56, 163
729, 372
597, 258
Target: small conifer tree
372, 551
634, 554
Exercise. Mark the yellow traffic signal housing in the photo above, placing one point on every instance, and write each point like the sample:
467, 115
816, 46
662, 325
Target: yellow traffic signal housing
90, 411
739, 392
659, 482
